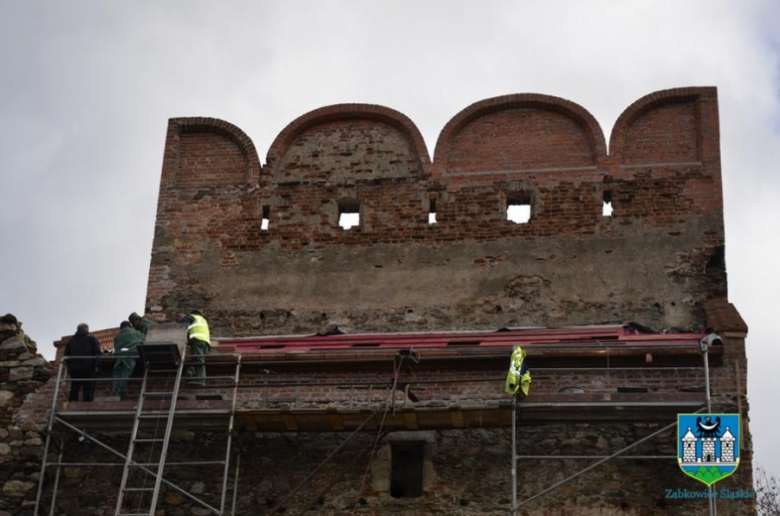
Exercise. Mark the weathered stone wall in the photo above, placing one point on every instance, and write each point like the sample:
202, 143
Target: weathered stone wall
466, 472
22, 372
656, 260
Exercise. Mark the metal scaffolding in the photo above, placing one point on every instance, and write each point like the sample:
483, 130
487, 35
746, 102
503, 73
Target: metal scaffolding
704, 347
164, 409
547, 408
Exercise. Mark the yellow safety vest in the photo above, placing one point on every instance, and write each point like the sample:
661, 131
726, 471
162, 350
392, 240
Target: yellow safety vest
199, 329
518, 381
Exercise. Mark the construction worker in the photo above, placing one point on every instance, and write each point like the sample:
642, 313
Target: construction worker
141, 324
82, 370
126, 352
199, 342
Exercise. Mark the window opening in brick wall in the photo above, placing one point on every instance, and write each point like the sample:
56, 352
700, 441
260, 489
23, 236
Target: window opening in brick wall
266, 218
406, 475
518, 210
606, 209
432, 211
349, 214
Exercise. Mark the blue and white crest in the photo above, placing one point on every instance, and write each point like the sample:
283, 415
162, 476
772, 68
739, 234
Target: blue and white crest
708, 445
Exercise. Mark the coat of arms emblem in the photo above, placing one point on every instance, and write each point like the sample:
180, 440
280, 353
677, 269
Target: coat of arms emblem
708, 445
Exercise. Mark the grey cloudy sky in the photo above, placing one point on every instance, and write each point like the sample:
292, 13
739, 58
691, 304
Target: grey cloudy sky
86, 88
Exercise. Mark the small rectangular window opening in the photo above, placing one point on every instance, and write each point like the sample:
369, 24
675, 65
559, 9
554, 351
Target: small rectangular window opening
606, 209
349, 214
406, 475
518, 210
266, 218
432, 211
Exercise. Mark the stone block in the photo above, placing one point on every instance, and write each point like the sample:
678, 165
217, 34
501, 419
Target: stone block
20, 373
6, 398
35, 362
12, 347
17, 488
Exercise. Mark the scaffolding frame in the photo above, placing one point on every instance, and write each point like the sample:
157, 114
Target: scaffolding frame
145, 467
403, 385
712, 506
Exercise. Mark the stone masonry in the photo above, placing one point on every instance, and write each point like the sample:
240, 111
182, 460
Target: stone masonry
22, 372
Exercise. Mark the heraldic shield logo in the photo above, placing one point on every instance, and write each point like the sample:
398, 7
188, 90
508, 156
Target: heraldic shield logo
708, 445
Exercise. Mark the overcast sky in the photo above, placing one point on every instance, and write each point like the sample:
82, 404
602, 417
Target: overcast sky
86, 89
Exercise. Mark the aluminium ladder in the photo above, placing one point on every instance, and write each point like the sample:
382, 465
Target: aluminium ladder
145, 500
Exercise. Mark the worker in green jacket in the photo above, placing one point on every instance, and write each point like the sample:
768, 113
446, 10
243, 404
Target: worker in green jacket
126, 353
199, 343
141, 324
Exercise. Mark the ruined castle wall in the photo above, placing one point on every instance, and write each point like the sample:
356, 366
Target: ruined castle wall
23, 374
466, 473
656, 260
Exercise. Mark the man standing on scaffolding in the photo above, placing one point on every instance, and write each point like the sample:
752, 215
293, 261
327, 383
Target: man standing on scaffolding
199, 342
126, 354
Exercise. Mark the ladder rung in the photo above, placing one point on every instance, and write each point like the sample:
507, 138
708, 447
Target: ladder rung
133, 514
153, 416
139, 489
148, 440
158, 394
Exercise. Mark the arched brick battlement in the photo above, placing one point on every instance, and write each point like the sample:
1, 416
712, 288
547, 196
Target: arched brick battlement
215, 126
438, 244
349, 113
530, 131
661, 127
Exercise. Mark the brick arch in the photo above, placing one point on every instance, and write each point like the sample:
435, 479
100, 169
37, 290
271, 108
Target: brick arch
207, 125
646, 116
349, 112
536, 104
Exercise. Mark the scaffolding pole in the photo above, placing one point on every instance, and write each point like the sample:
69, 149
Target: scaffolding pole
704, 346
235, 485
513, 509
56, 482
49, 425
230, 437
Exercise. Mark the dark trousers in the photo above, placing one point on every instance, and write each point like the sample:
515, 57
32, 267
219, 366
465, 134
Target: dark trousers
196, 373
82, 379
123, 369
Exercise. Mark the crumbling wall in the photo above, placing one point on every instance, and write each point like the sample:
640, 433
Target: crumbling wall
22, 372
656, 260
466, 473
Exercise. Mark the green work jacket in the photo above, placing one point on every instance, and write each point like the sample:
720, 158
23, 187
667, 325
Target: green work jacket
126, 342
144, 326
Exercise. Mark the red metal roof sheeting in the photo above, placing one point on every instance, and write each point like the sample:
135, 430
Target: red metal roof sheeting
564, 337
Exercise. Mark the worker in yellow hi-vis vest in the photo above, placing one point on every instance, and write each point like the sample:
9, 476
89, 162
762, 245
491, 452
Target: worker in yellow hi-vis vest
518, 381
199, 342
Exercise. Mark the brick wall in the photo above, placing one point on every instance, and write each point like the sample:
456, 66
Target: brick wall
656, 260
